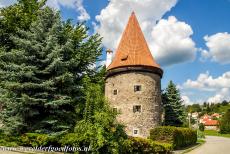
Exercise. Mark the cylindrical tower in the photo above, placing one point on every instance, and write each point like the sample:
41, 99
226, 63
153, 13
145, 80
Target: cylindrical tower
133, 83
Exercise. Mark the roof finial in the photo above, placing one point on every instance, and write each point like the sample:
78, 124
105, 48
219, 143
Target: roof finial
109, 51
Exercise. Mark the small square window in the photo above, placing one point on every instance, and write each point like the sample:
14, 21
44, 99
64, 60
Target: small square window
137, 88
136, 108
135, 132
115, 92
115, 110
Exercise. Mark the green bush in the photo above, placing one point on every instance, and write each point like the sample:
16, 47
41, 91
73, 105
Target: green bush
8, 140
8, 143
100, 140
201, 127
200, 134
178, 137
131, 145
29, 139
136, 145
35, 139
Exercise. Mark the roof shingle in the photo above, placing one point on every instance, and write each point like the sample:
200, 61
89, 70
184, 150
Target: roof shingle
133, 49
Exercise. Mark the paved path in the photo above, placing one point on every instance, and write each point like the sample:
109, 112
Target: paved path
213, 145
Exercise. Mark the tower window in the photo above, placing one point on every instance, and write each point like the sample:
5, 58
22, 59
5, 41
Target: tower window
136, 108
124, 57
115, 92
137, 88
115, 110
135, 131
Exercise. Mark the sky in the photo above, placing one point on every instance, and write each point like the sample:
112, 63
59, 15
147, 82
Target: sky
190, 39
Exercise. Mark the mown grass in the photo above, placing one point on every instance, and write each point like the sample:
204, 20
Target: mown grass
215, 133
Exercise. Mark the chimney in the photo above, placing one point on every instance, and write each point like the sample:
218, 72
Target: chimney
109, 56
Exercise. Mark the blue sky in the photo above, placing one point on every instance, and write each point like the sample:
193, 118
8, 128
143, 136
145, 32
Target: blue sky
199, 65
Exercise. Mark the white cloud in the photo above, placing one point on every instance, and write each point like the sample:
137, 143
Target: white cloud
219, 86
83, 13
207, 83
186, 100
102, 63
4, 3
114, 17
56, 4
204, 55
73, 4
172, 42
223, 94
168, 39
218, 48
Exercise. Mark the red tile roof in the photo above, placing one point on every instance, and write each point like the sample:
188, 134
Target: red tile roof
215, 115
211, 123
133, 49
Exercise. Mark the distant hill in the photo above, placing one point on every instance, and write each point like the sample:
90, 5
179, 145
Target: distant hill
209, 108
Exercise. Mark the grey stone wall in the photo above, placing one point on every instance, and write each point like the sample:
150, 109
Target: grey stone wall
149, 98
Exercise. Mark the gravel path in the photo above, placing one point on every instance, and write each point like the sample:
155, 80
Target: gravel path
213, 145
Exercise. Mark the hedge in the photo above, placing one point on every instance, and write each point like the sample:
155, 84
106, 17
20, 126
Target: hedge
35, 140
8, 140
131, 145
136, 145
177, 136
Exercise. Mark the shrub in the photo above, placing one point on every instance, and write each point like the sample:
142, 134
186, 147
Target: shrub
7, 143
201, 127
200, 134
136, 145
8, 140
35, 139
131, 145
98, 129
99, 139
178, 137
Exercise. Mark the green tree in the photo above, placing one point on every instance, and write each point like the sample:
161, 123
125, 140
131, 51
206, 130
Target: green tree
204, 106
208, 109
98, 129
193, 108
41, 78
174, 110
224, 103
225, 123
17, 17
201, 127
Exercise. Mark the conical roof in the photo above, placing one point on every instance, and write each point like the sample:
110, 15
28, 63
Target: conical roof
133, 49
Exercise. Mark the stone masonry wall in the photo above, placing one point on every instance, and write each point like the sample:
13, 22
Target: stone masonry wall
149, 98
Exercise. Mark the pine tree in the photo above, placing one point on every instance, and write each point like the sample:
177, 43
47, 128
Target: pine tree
173, 108
42, 77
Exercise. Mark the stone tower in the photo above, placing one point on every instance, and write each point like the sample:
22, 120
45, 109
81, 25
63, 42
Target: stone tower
133, 82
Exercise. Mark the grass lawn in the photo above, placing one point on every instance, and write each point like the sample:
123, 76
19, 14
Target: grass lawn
215, 133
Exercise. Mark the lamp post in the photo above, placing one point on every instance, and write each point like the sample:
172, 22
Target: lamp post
189, 120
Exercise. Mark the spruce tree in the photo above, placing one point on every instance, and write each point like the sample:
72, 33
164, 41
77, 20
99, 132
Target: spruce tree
41, 79
173, 108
